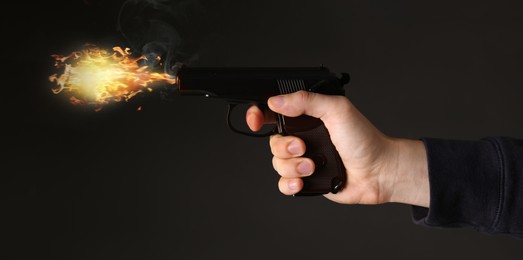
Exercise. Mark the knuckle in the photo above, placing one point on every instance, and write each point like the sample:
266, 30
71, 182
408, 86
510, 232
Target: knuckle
273, 143
303, 96
343, 103
275, 163
342, 108
287, 146
282, 186
293, 167
281, 166
290, 186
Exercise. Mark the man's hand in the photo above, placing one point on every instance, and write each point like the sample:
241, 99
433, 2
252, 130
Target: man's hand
379, 168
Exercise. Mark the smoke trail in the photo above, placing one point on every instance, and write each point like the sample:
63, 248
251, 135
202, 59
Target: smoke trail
169, 29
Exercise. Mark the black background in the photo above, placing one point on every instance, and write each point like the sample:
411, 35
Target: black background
172, 182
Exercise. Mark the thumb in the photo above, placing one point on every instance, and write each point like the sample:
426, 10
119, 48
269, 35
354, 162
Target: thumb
308, 103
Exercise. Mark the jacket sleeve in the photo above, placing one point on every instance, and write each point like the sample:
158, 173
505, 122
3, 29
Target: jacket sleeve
476, 184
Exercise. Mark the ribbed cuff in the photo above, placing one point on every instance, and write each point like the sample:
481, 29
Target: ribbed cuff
466, 184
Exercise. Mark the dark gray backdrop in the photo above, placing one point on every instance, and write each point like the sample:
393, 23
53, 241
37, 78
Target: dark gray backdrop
172, 182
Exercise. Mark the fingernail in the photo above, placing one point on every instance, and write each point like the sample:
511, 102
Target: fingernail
304, 168
277, 101
294, 148
293, 184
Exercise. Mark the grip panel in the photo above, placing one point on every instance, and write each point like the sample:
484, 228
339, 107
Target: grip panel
329, 175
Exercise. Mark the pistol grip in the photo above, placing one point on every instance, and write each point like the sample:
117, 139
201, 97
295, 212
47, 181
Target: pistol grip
329, 175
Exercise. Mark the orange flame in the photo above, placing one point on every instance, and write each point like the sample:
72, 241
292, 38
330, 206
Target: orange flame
98, 76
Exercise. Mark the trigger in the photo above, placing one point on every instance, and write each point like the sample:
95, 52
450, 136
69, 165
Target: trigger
236, 130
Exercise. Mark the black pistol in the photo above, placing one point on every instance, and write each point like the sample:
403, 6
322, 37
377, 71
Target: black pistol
240, 85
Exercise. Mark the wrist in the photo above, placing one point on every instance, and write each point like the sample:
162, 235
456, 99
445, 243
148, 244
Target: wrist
407, 173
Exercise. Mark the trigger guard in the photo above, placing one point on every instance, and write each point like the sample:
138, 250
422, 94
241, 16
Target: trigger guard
238, 131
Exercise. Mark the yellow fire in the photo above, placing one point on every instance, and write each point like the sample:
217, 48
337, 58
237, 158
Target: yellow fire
98, 76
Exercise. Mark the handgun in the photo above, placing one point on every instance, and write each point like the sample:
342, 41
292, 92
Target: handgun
252, 85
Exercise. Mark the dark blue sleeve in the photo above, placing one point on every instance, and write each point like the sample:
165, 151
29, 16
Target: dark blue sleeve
476, 184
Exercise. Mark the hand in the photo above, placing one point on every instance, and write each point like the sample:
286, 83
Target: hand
379, 168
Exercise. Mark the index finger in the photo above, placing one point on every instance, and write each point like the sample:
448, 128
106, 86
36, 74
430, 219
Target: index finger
256, 118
